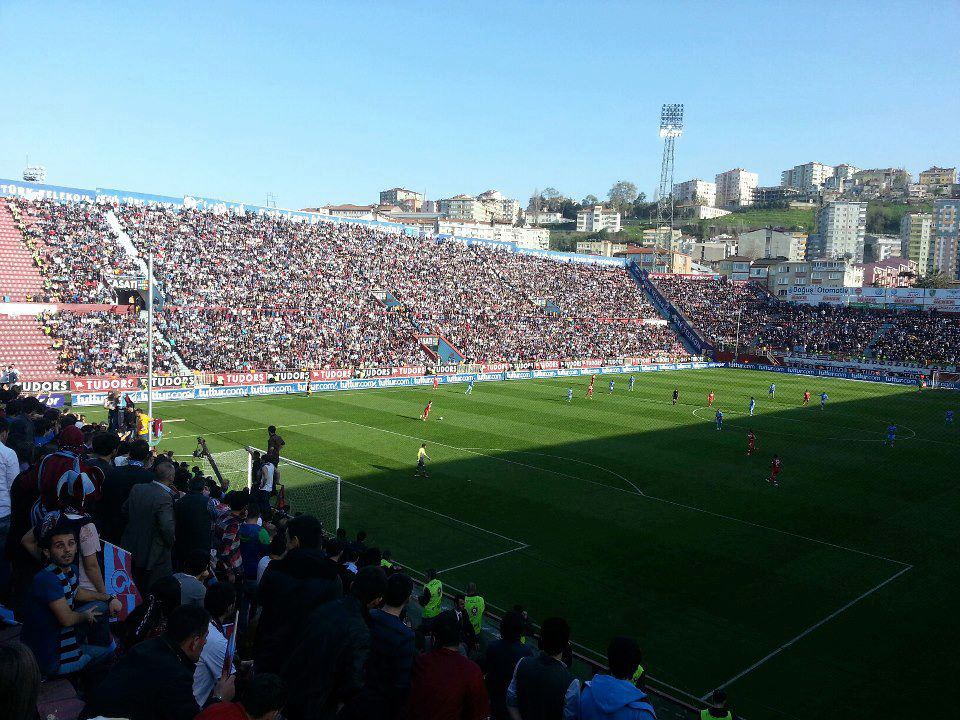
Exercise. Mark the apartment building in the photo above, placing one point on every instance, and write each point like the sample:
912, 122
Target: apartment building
695, 192
735, 188
916, 240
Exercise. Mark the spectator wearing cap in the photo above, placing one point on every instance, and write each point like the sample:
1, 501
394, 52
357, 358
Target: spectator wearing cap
260, 699
543, 686
501, 660
150, 528
291, 587
72, 494
116, 489
60, 612
615, 696
327, 666
192, 521
154, 680
445, 683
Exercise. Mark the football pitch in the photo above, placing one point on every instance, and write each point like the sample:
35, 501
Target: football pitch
627, 514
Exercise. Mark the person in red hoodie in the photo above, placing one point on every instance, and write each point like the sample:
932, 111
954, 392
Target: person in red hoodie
445, 683
260, 699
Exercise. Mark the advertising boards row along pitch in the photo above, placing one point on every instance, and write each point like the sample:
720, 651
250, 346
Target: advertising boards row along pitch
870, 377
206, 392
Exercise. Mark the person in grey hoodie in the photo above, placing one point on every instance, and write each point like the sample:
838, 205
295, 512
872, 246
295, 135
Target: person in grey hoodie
615, 696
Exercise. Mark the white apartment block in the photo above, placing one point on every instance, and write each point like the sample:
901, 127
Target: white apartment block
841, 227
769, 243
937, 176
809, 177
916, 240
735, 187
598, 218
462, 207
785, 276
541, 217
695, 192
946, 230
490, 206
530, 238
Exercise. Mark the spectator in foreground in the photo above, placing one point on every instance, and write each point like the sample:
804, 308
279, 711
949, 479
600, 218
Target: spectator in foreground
327, 666
392, 647
616, 696
261, 699
445, 683
9, 469
154, 681
221, 602
56, 623
149, 534
290, 589
19, 682
149, 619
116, 490
542, 686
501, 660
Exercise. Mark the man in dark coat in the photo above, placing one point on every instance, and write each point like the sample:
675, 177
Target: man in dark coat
154, 680
149, 535
116, 490
193, 522
290, 589
327, 666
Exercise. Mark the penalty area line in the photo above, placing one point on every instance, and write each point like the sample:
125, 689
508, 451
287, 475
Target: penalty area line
794, 640
483, 559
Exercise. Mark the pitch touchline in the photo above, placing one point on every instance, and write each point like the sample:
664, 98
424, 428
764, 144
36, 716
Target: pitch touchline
243, 430
792, 641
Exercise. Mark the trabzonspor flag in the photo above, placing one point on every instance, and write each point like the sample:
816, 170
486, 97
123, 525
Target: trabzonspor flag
118, 578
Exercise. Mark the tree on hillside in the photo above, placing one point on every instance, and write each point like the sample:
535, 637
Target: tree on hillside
590, 200
622, 196
933, 280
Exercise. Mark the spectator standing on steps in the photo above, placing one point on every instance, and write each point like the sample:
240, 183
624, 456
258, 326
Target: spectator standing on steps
543, 688
149, 535
615, 696
501, 660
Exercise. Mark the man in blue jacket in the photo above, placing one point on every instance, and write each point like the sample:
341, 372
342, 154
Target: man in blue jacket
615, 696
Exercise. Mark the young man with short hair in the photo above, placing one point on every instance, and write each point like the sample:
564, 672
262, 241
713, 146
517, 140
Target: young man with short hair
55, 611
615, 696
221, 602
392, 646
543, 686
196, 572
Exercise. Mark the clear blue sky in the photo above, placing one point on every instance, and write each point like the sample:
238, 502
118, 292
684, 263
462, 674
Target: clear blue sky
331, 102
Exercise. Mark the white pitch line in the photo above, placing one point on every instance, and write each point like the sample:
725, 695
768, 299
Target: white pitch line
792, 641
243, 430
434, 512
488, 557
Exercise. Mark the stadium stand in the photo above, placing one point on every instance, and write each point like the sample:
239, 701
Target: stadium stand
20, 281
23, 343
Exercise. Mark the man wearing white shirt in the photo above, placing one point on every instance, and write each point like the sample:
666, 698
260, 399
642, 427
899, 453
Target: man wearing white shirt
268, 477
220, 602
9, 469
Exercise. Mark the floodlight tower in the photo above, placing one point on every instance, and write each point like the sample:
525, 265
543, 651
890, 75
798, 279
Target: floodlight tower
671, 127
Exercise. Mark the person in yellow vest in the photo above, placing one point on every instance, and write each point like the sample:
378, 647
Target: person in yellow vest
387, 563
718, 709
432, 595
475, 607
143, 424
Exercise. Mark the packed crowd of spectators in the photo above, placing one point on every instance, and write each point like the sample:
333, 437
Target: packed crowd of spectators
714, 307
73, 248
104, 343
246, 609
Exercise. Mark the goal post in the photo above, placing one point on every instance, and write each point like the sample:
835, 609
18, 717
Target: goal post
308, 489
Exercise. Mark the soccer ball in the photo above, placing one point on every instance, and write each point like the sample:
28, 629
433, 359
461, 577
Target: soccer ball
441, 417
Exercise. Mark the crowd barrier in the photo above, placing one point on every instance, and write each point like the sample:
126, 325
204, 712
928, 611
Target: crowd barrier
207, 392
871, 377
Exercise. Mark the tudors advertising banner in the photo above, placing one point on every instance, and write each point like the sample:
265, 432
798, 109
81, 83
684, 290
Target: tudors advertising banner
44, 387
333, 374
166, 382
260, 378
104, 384
392, 372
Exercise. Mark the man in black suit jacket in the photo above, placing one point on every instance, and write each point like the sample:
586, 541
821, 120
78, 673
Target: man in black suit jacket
116, 490
150, 531
193, 522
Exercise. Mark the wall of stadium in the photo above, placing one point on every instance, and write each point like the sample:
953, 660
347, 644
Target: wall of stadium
113, 196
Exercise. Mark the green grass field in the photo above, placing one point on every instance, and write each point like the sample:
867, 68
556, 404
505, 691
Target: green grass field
830, 597
793, 219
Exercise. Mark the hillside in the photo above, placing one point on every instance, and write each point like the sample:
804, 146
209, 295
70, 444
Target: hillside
754, 219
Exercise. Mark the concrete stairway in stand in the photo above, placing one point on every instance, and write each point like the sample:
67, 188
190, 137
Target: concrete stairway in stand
19, 277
